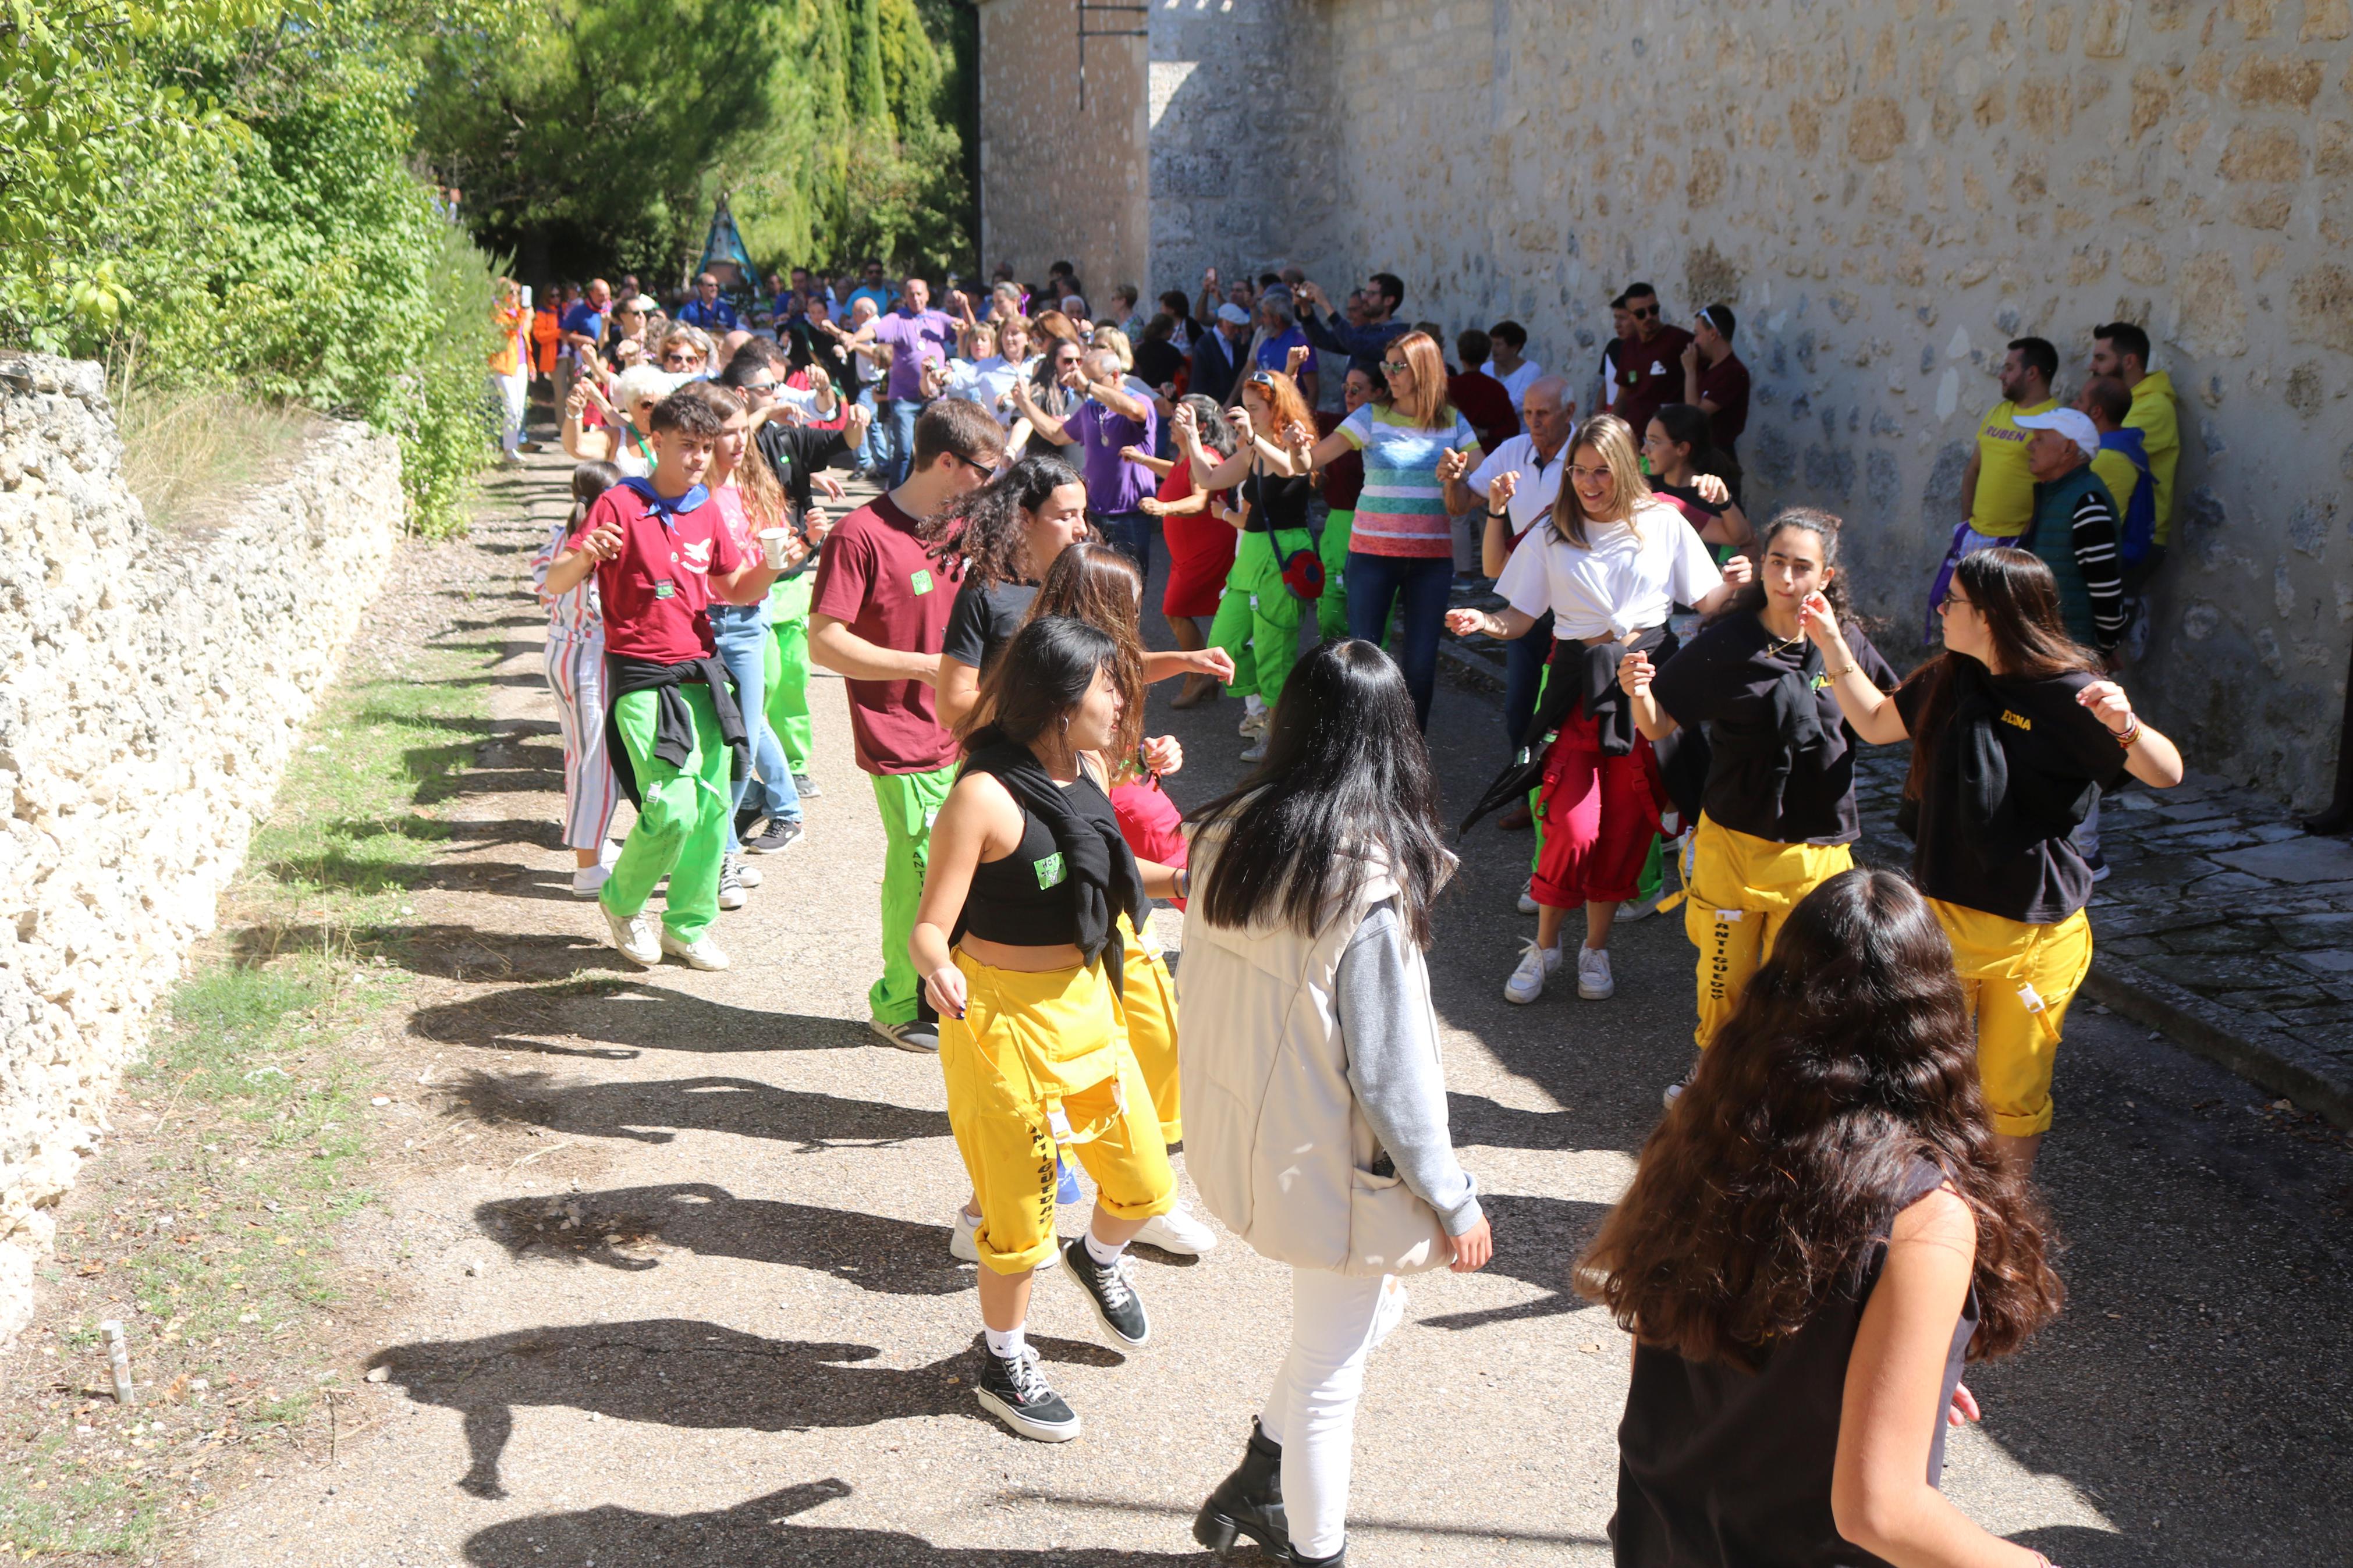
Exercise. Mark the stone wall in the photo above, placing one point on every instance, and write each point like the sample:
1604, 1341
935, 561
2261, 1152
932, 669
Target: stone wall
1062, 161
1886, 190
156, 685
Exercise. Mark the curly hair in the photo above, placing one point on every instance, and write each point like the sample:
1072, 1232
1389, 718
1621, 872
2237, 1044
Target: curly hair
1759, 1198
981, 532
1824, 526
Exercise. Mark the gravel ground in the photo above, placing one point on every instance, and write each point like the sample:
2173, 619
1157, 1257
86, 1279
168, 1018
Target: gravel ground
683, 1295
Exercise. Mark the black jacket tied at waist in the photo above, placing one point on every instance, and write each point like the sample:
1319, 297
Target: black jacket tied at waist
673, 720
1104, 879
1582, 677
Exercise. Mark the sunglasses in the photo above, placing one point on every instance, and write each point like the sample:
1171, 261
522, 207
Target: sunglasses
677, 357
1264, 378
1644, 312
983, 470
1395, 366
757, 387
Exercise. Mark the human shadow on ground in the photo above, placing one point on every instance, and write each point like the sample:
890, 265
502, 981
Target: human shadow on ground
656, 1112
616, 1228
757, 1532
621, 1019
677, 1371
445, 950
1537, 1241
358, 874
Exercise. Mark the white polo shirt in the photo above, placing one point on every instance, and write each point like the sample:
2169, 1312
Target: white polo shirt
1538, 483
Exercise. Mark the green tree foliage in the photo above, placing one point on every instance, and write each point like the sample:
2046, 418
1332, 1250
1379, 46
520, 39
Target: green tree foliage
596, 134
216, 191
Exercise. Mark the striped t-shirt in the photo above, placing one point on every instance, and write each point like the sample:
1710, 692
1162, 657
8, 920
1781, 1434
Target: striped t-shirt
1402, 509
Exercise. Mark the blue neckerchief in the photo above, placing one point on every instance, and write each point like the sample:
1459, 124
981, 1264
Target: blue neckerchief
667, 508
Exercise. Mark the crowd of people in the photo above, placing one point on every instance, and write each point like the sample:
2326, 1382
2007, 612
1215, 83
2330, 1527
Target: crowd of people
1835, 1213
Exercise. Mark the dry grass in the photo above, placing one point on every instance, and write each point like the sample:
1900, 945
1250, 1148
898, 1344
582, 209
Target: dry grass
188, 455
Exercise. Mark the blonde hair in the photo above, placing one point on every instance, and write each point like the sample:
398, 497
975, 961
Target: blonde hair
1112, 338
1611, 440
1427, 408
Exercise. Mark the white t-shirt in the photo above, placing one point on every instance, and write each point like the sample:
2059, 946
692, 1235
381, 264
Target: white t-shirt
1516, 383
985, 382
1537, 485
1629, 580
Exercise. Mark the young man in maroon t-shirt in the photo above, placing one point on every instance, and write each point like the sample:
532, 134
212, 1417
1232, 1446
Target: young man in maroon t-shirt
1650, 363
878, 617
662, 556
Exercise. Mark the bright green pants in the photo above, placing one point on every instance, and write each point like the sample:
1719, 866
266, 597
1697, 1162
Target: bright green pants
682, 827
1332, 609
908, 802
1258, 620
789, 668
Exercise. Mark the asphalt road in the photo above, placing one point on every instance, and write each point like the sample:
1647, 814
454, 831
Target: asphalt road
687, 1298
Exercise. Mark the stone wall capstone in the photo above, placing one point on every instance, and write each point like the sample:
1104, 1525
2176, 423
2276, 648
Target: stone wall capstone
154, 686
1885, 191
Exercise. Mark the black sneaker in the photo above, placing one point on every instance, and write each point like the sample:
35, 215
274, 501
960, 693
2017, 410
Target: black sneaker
807, 786
1013, 1390
1115, 1302
780, 832
746, 819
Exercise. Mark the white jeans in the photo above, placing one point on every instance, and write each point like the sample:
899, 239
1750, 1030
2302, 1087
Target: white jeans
513, 395
1335, 1322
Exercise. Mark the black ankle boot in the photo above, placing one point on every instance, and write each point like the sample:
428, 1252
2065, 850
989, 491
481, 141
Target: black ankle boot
1338, 1560
1248, 1502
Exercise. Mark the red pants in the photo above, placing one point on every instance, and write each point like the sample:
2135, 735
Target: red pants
1600, 814
1150, 822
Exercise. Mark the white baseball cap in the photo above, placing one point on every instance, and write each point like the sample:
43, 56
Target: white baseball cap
1230, 311
2072, 423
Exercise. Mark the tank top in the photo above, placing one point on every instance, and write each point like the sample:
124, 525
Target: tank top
1024, 899
1276, 502
1721, 1464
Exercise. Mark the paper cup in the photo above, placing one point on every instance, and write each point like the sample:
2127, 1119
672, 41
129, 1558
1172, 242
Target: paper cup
772, 546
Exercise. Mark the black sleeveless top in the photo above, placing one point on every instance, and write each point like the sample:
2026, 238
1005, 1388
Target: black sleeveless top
1276, 502
1719, 1465
1024, 899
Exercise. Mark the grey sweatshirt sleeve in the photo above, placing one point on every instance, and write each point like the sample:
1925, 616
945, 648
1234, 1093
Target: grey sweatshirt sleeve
1385, 1024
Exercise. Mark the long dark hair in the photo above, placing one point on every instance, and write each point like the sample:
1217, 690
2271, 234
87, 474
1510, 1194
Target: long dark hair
1346, 779
2019, 598
1850, 1056
1100, 586
1044, 673
1825, 529
1688, 426
982, 529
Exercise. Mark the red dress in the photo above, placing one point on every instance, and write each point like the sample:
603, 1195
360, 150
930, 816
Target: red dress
1200, 551
1150, 822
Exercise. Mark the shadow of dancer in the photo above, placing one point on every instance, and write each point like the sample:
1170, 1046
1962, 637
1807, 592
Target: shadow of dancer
1537, 1241
676, 1371
658, 1111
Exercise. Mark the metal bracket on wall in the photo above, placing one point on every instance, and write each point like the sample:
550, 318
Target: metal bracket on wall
1089, 9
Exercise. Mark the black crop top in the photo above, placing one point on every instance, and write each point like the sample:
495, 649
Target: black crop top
1276, 502
1023, 900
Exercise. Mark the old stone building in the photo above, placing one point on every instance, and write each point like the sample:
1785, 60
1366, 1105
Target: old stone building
1885, 190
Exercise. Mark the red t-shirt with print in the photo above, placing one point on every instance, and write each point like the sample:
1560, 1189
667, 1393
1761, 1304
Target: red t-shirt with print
875, 579
657, 592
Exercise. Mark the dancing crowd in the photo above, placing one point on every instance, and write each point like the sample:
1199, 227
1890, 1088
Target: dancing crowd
1835, 1214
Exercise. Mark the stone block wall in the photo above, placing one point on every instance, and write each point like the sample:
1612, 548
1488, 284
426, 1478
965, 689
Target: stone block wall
1886, 190
1062, 169
155, 686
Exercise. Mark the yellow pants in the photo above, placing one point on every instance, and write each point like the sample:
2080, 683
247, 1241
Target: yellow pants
1742, 887
2020, 979
1151, 1003
1037, 1060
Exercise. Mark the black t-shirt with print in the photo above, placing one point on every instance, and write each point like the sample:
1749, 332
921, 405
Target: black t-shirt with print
1774, 770
982, 620
2054, 752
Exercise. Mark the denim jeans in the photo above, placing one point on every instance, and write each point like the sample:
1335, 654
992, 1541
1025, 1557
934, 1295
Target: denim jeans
1378, 585
742, 634
1129, 532
874, 449
1524, 668
903, 411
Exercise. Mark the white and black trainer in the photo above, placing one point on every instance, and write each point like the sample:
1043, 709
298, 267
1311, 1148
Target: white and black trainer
1013, 1390
1117, 1306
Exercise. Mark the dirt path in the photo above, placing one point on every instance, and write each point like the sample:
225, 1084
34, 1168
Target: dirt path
671, 1247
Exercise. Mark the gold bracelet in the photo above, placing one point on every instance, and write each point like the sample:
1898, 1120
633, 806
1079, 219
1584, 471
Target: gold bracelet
1853, 666
2131, 733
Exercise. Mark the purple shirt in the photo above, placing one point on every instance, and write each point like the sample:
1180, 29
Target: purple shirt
1113, 484
925, 335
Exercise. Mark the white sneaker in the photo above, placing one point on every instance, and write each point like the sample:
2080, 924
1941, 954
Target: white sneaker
633, 938
1527, 899
1177, 1232
607, 852
1255, 721
1638, 908
1593, 982
1256, 751
700, 953
1536, 966
1674, 1090
747, 873
732, 895
964, 1246
587, 881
